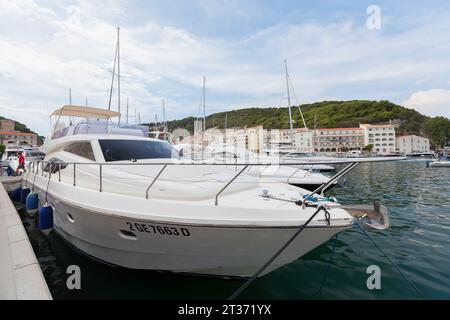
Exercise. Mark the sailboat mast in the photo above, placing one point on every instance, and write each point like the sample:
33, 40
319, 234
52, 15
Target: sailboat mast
164, 117
70, 103
118, 71
112, 80
291, 127
225, 131
204, 116
127, 112
204, 104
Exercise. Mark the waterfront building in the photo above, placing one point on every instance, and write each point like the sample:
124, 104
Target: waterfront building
338, 139
412, 144
303, 140
18, 138
381, 136
9, 136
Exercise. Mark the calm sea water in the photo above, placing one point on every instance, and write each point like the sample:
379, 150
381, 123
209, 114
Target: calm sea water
418, 242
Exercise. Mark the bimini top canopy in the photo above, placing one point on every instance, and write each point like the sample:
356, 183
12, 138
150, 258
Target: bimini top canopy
85, 112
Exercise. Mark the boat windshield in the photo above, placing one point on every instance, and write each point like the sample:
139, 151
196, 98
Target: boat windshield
123, 150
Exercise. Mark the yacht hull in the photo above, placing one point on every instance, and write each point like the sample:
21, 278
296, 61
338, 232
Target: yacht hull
440, 164
217, 250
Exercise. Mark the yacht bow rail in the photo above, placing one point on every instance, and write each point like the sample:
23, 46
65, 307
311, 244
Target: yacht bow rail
38, 167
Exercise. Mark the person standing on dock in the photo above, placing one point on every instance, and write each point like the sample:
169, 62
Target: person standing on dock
21, 163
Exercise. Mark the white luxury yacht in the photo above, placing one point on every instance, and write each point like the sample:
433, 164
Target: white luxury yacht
128, 200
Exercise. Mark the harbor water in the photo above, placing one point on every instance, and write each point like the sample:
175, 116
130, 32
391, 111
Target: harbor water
418, 242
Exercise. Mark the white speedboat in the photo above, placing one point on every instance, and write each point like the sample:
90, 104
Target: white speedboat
443, 162
128, 200
231, 155
291, 157
11, 154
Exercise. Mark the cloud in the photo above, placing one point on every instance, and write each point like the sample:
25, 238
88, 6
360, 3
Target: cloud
48, 47
434, 102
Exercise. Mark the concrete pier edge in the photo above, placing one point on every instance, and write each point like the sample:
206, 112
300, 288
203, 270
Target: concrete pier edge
21, 277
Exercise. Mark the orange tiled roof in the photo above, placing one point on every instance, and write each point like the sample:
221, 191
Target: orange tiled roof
340, 129
15, 133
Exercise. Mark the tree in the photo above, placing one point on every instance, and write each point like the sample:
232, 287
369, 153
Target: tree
438, 129
368, 148
2, 149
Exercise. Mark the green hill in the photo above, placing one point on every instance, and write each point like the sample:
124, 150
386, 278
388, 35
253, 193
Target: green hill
328, 114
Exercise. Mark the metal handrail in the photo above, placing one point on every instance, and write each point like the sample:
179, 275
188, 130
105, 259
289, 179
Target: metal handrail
346, 161
229, 182
154, 180
100, 178
351, 165
334, 178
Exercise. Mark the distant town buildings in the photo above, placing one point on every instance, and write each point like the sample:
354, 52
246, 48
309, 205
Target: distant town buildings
381, 138
9, 136
412, 144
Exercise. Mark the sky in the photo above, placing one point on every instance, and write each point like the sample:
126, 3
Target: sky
335, 50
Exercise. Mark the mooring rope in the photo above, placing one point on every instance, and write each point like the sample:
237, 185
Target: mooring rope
328, 267
390, 261
48, 184
269, 262
35, 174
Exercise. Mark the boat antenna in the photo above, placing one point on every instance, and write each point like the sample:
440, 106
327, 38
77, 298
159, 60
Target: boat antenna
291, 127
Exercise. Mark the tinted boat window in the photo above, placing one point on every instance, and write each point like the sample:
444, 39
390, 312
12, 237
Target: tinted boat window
54, 165
122, 150
82, 149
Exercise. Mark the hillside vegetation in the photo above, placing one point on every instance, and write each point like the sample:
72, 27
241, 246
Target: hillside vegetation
330, 114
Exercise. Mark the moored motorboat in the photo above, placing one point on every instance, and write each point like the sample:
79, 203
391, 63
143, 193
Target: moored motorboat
269, 170
129, 200
443, 162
